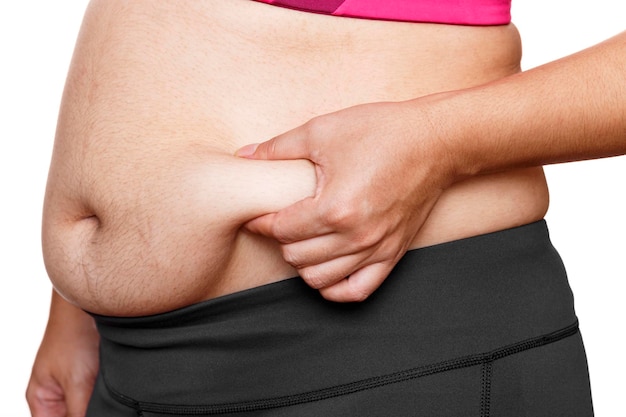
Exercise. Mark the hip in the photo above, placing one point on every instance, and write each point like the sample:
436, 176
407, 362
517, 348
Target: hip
471, 311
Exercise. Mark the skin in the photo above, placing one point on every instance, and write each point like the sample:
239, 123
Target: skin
143, 168
66, 365
572, 109
146, 201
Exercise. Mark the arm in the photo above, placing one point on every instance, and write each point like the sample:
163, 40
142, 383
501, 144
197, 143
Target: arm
568, 110
358, 226
66, 365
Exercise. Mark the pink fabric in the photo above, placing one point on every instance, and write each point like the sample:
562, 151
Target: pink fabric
470, 12
459, 12
319, 6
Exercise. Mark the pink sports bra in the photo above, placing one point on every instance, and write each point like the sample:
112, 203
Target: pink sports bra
456, 12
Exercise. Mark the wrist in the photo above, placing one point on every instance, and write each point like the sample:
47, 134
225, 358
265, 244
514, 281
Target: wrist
445, 136
471, 127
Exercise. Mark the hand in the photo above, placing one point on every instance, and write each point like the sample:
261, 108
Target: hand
380, 169
66, 365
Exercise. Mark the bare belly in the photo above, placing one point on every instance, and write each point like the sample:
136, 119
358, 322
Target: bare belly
329, 63
220, 75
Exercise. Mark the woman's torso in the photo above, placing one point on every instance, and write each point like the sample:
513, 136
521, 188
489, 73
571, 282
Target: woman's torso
241, 72
299, 65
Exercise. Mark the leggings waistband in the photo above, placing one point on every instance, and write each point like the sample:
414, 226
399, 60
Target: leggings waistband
444, 305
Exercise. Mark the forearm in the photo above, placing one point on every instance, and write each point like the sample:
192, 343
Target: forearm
65, 319
571, 109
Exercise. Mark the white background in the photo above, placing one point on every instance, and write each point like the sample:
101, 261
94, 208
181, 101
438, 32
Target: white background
587, 216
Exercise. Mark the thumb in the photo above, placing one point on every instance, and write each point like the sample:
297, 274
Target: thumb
261, 225
289, 145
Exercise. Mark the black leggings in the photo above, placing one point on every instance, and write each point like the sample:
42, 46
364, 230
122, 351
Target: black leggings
483, 326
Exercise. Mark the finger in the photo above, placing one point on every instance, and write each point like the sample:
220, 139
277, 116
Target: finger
48, 409
302, 220
45, 399
289, 145
331, 272
325, 248
359, 285
262, 225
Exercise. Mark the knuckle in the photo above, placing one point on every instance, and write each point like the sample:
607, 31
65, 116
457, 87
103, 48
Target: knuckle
313, 277
279, 235
365, 239
279, 232
318, 131
315, 127
35, 395
340, 215
291, 257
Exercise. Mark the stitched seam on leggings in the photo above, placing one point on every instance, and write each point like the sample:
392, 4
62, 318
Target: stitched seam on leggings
485, 397
349, 388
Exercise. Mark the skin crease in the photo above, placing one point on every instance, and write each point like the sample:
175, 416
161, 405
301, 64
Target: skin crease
525, 137
145, 199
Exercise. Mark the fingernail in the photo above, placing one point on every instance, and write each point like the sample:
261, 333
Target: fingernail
247, 150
